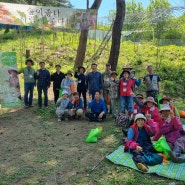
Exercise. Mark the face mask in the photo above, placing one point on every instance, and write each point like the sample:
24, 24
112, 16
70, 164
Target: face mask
131, 75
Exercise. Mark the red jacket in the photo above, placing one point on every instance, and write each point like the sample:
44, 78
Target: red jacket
132, 144
126, 87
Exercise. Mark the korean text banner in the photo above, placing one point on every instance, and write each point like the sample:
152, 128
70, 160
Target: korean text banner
10, 95
43, 16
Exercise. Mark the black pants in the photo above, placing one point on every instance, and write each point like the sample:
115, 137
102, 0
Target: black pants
83, 92
56, 94
45, 90
94, 116
137, 156
152, 94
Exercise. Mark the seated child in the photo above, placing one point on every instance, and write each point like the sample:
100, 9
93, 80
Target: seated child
171, 127
98, 108
138, 141
77, 106
63, 105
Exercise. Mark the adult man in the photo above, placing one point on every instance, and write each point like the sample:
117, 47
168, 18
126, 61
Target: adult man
98, 109
106, 78
57, 78
151, 81
43, 83
94, 80
29, 82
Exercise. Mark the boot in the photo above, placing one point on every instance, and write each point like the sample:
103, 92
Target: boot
142, 167
175, 155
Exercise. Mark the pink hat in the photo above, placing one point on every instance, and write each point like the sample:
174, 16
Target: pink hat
150, 99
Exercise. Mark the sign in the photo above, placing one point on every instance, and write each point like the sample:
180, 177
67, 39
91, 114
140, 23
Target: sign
43, 16
10, 95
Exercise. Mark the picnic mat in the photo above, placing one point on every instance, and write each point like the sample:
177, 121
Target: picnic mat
171, 170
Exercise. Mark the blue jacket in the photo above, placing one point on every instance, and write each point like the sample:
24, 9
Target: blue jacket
97, 107
94, 81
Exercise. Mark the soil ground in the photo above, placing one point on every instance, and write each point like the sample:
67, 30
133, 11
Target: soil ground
36, 149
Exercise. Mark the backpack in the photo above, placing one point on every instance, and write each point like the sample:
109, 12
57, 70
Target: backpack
122, 120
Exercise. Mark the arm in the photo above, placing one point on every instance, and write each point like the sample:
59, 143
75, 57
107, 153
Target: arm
48, 79
130, 143
76, 74
138, 82
177, 123
138, 102
100, 82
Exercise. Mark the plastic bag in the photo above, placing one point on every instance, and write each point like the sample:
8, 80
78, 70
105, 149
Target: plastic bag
159, 97
162, 146
60, 92
94, 135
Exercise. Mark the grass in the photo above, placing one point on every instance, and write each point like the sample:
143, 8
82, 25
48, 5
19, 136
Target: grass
36, 149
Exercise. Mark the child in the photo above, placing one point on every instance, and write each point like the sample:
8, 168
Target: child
77, 106
171, 127
137, 109
63, 105
113, 85
138, 141
126, 86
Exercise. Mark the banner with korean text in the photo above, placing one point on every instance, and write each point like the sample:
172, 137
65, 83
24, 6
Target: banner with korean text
10, 95
43, 16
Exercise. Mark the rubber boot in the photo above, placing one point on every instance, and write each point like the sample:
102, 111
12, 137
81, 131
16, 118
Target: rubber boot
175, 155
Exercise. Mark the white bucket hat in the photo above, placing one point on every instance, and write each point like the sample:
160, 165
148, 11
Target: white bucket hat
165, 107
139, 116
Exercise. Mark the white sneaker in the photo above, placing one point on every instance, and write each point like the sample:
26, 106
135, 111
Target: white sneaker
59, 120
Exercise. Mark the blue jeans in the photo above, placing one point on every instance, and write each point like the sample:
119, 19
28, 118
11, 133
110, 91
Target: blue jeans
28, 89
45, 90
126, 101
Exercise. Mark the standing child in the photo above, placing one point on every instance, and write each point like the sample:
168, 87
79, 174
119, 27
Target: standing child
126, 89
138, 141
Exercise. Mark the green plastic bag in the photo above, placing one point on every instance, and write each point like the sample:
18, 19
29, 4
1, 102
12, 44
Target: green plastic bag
159, 97
94, 135
162, 146
177, 112
60, 92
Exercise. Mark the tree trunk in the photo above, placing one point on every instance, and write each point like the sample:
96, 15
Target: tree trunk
116, 33
83, 40
7, 28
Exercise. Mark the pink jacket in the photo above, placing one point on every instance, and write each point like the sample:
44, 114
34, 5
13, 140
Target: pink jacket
169, 130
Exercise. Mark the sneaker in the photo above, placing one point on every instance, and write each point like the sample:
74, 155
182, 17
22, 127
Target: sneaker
142, 167
31, 106
26, 106
59, 120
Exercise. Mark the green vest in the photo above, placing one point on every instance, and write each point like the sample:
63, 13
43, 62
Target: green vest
29, 75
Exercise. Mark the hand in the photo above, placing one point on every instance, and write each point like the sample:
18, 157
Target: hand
148, 116
90, 97
138, 148
100, 115
132, 94
172, 115
112, 78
